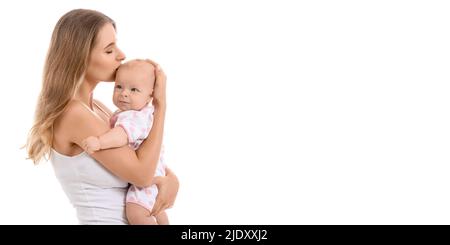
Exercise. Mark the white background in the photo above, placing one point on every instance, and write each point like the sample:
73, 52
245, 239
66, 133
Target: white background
279, 112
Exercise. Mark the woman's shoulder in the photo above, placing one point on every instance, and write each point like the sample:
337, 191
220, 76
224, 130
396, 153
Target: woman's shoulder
77, 114
75, 109
65, 126
78, 121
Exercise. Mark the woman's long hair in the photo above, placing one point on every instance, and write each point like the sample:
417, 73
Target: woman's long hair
67, 59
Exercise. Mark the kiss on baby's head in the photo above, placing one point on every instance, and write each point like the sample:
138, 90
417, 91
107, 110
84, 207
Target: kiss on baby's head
135, 80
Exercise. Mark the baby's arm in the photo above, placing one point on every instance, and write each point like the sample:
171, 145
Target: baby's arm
115, 137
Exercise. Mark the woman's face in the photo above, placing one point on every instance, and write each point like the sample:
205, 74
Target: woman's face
105, 56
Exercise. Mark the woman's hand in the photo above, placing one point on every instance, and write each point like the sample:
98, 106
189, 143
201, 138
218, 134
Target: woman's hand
159, 90
167, 191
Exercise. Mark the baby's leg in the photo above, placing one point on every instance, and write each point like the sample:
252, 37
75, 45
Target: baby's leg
162, 218
138, 215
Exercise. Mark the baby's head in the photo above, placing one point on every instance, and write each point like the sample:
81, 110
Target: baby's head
134, 85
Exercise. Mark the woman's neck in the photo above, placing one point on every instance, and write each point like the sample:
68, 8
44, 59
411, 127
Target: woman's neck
85, 93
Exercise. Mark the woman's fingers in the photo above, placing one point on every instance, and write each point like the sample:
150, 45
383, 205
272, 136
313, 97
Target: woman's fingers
152, 62
159, 91
157, 67
161, 199
160, 75
157, 207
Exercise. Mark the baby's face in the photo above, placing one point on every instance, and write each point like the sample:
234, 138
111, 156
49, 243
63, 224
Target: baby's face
134, 86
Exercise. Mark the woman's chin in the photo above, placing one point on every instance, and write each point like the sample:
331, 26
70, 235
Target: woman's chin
109, 79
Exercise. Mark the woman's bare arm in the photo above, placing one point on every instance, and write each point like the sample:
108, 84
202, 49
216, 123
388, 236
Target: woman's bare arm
79, 122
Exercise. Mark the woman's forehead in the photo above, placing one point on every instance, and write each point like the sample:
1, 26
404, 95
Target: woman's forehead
106, 36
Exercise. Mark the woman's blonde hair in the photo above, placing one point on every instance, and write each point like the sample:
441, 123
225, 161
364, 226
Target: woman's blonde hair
67, 59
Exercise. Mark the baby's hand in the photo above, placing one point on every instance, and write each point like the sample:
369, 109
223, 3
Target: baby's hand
91, 144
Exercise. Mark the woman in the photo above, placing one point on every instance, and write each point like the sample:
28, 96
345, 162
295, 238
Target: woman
83, 52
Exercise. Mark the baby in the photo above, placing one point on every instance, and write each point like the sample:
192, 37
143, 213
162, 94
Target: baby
130, 125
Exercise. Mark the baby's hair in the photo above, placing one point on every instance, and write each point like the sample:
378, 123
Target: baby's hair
148, 61
130, 63
139, 60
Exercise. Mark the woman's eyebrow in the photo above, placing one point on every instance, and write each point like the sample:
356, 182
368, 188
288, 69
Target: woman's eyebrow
111, 44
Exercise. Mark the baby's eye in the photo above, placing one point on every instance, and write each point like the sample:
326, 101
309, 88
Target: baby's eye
118, 87
135, 90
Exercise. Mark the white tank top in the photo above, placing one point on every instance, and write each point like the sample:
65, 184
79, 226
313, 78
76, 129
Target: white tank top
97, 195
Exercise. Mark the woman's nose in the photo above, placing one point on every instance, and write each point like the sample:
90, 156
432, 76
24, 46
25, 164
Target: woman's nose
120, 55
